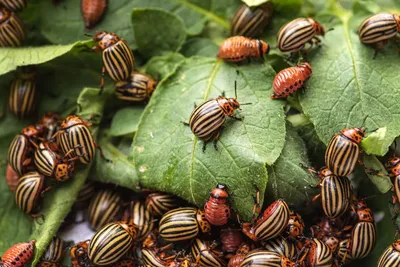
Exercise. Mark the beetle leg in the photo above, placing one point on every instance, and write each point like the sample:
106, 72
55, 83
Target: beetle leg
185, 123
217, 135
316, 197
194, 105
45, 190
101, 152
103, 72
236, 118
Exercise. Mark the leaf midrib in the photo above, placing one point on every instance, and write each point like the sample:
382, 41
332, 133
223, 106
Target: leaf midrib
214, 71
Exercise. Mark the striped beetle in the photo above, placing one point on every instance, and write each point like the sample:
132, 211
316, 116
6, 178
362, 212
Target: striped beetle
111, 243
238, 48
391, 256
49, 162
206, 120
378, 29
30, 188
393, 167
103, 208
342, 256
138, 214
216, 209
335, 192
92, 11
271, 224
18, 254
12, 31
183, 224
263, 258
21, 150
280, 245
118, 58
137, 88
23, 96
159, 203
74, 134
238, 258
85, 194
363, 235
343, 150
13, 5
294, 35
295, 226
205, 255
251, 21
79, 254
318, 254
289, 80
54, 254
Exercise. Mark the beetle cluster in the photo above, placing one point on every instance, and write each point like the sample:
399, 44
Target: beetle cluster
48, 149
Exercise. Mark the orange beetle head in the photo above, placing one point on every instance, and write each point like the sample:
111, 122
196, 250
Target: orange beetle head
319, 30
325, 173
219, 192
354, 134
4, 14
306, 66
364, 213
233, 103
396, 245
393, 166
71, 121
105, 39
33, 130
264, 48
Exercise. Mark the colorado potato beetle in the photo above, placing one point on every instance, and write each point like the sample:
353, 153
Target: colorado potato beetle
79, 254
206, 120
111, 243
29, 190
294, 35
13, 5
289, 80
54, 254
12, 32
295, 226
159, 203
23, 95
21, 150
183, 224
318, 253
379, 28
393, 167
118, 58
75, 135
271, 224
205, 255
343, 151
266, 259
335, 192
391, 256
137, 88
51, 164
216, 209
238, 258
155, 258
280, 245
103, 208
92, 11
239, 48
251, 21
138, 214
18, 255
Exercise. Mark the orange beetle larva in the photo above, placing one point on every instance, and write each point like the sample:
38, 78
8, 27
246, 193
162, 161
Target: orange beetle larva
92, 11
238, 48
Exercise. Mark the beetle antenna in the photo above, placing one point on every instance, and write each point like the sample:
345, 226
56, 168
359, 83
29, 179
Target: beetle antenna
330, 29
88, 35
365, 119
244, 104
235, 89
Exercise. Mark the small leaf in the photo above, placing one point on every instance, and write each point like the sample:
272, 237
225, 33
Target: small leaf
182, 167
287, 178
118, 169
58, 202
125, 121
154, 39
200, 47
11, 58
375, 142
383, 183
163, 66
255, 2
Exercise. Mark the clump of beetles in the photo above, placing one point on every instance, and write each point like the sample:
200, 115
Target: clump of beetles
158, 229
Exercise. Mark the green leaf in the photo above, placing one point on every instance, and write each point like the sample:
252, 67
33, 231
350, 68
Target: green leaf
59, 201
200, 47
245, 146
66, 17
118, 170
125, 121
287, 178
348, 86
163, 66
375, 142
11, 58
255, 2
155, 39
382, 183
